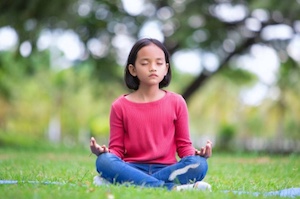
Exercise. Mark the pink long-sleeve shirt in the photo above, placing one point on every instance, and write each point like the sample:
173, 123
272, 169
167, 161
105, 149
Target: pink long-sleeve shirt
150, 132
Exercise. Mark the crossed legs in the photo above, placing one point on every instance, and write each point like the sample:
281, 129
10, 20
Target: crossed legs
189, 169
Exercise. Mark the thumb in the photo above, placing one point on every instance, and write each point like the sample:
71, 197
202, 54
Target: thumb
93, 141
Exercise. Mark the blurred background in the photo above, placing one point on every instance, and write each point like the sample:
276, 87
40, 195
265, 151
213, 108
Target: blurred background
237, 64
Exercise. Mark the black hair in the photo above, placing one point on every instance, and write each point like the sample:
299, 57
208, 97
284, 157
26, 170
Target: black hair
133, 82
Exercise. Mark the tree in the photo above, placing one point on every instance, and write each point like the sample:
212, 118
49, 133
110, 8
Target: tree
185, 24
225, 29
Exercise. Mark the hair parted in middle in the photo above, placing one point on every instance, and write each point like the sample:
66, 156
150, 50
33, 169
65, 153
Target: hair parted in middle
133, 82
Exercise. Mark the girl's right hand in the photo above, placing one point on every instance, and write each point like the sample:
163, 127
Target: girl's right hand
96, 148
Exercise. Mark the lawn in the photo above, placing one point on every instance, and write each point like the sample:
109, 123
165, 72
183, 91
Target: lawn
74, 168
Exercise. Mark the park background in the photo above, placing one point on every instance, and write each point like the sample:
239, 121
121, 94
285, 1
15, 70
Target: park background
237, 64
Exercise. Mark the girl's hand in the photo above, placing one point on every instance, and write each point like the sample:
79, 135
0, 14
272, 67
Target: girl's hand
96, 148
205, 151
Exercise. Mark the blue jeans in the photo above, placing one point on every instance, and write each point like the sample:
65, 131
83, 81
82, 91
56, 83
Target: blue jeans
115, 170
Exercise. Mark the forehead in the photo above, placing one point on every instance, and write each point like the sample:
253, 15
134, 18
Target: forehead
151, 51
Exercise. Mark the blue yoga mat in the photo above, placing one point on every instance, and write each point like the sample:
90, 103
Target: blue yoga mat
290, 193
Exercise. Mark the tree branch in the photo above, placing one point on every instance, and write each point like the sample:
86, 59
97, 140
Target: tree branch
205, 75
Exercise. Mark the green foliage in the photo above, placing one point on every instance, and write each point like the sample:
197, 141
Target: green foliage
100, 126
255, 126
239, 76
226, 137
32, 92
67, 94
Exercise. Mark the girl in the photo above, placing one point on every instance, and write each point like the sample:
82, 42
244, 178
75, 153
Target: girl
148, 127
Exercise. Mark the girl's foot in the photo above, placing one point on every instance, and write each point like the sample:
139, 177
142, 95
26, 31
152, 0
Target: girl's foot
200, 185
98, 181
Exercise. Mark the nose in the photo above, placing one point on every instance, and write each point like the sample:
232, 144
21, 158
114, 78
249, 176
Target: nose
152, 68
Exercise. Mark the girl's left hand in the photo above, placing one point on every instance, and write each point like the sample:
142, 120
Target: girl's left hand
205, 151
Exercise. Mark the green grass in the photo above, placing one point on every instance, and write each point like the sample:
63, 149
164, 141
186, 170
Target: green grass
243, 172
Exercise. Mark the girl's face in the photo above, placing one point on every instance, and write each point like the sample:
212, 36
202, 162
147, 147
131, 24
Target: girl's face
150, 66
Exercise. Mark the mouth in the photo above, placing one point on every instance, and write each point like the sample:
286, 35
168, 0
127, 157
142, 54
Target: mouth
153, 75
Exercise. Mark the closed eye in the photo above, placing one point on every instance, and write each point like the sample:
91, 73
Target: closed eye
144, 63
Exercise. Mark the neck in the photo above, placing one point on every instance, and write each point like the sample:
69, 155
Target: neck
149, 94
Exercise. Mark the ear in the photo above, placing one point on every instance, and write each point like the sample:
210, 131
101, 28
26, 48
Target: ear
167, 68
132, 70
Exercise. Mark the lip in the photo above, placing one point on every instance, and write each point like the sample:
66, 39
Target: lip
153, 75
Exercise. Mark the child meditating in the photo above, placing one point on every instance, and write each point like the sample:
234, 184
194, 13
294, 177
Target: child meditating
148, 127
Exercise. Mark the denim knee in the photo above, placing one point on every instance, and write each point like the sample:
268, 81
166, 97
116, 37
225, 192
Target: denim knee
199, 171
105, 161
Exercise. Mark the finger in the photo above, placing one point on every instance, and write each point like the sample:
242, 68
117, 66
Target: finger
202, 151
92, 142
208, 150
104, 148
100, 149
209, 143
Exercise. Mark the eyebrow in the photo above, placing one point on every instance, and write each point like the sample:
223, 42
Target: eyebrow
158, 59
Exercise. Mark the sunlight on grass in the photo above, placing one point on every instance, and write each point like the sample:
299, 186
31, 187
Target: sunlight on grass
75, 170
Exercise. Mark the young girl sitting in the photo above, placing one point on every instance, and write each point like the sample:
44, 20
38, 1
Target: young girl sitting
148, 127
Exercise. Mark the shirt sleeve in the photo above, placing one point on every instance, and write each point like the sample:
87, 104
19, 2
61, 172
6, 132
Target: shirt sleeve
116, 141
182, 135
